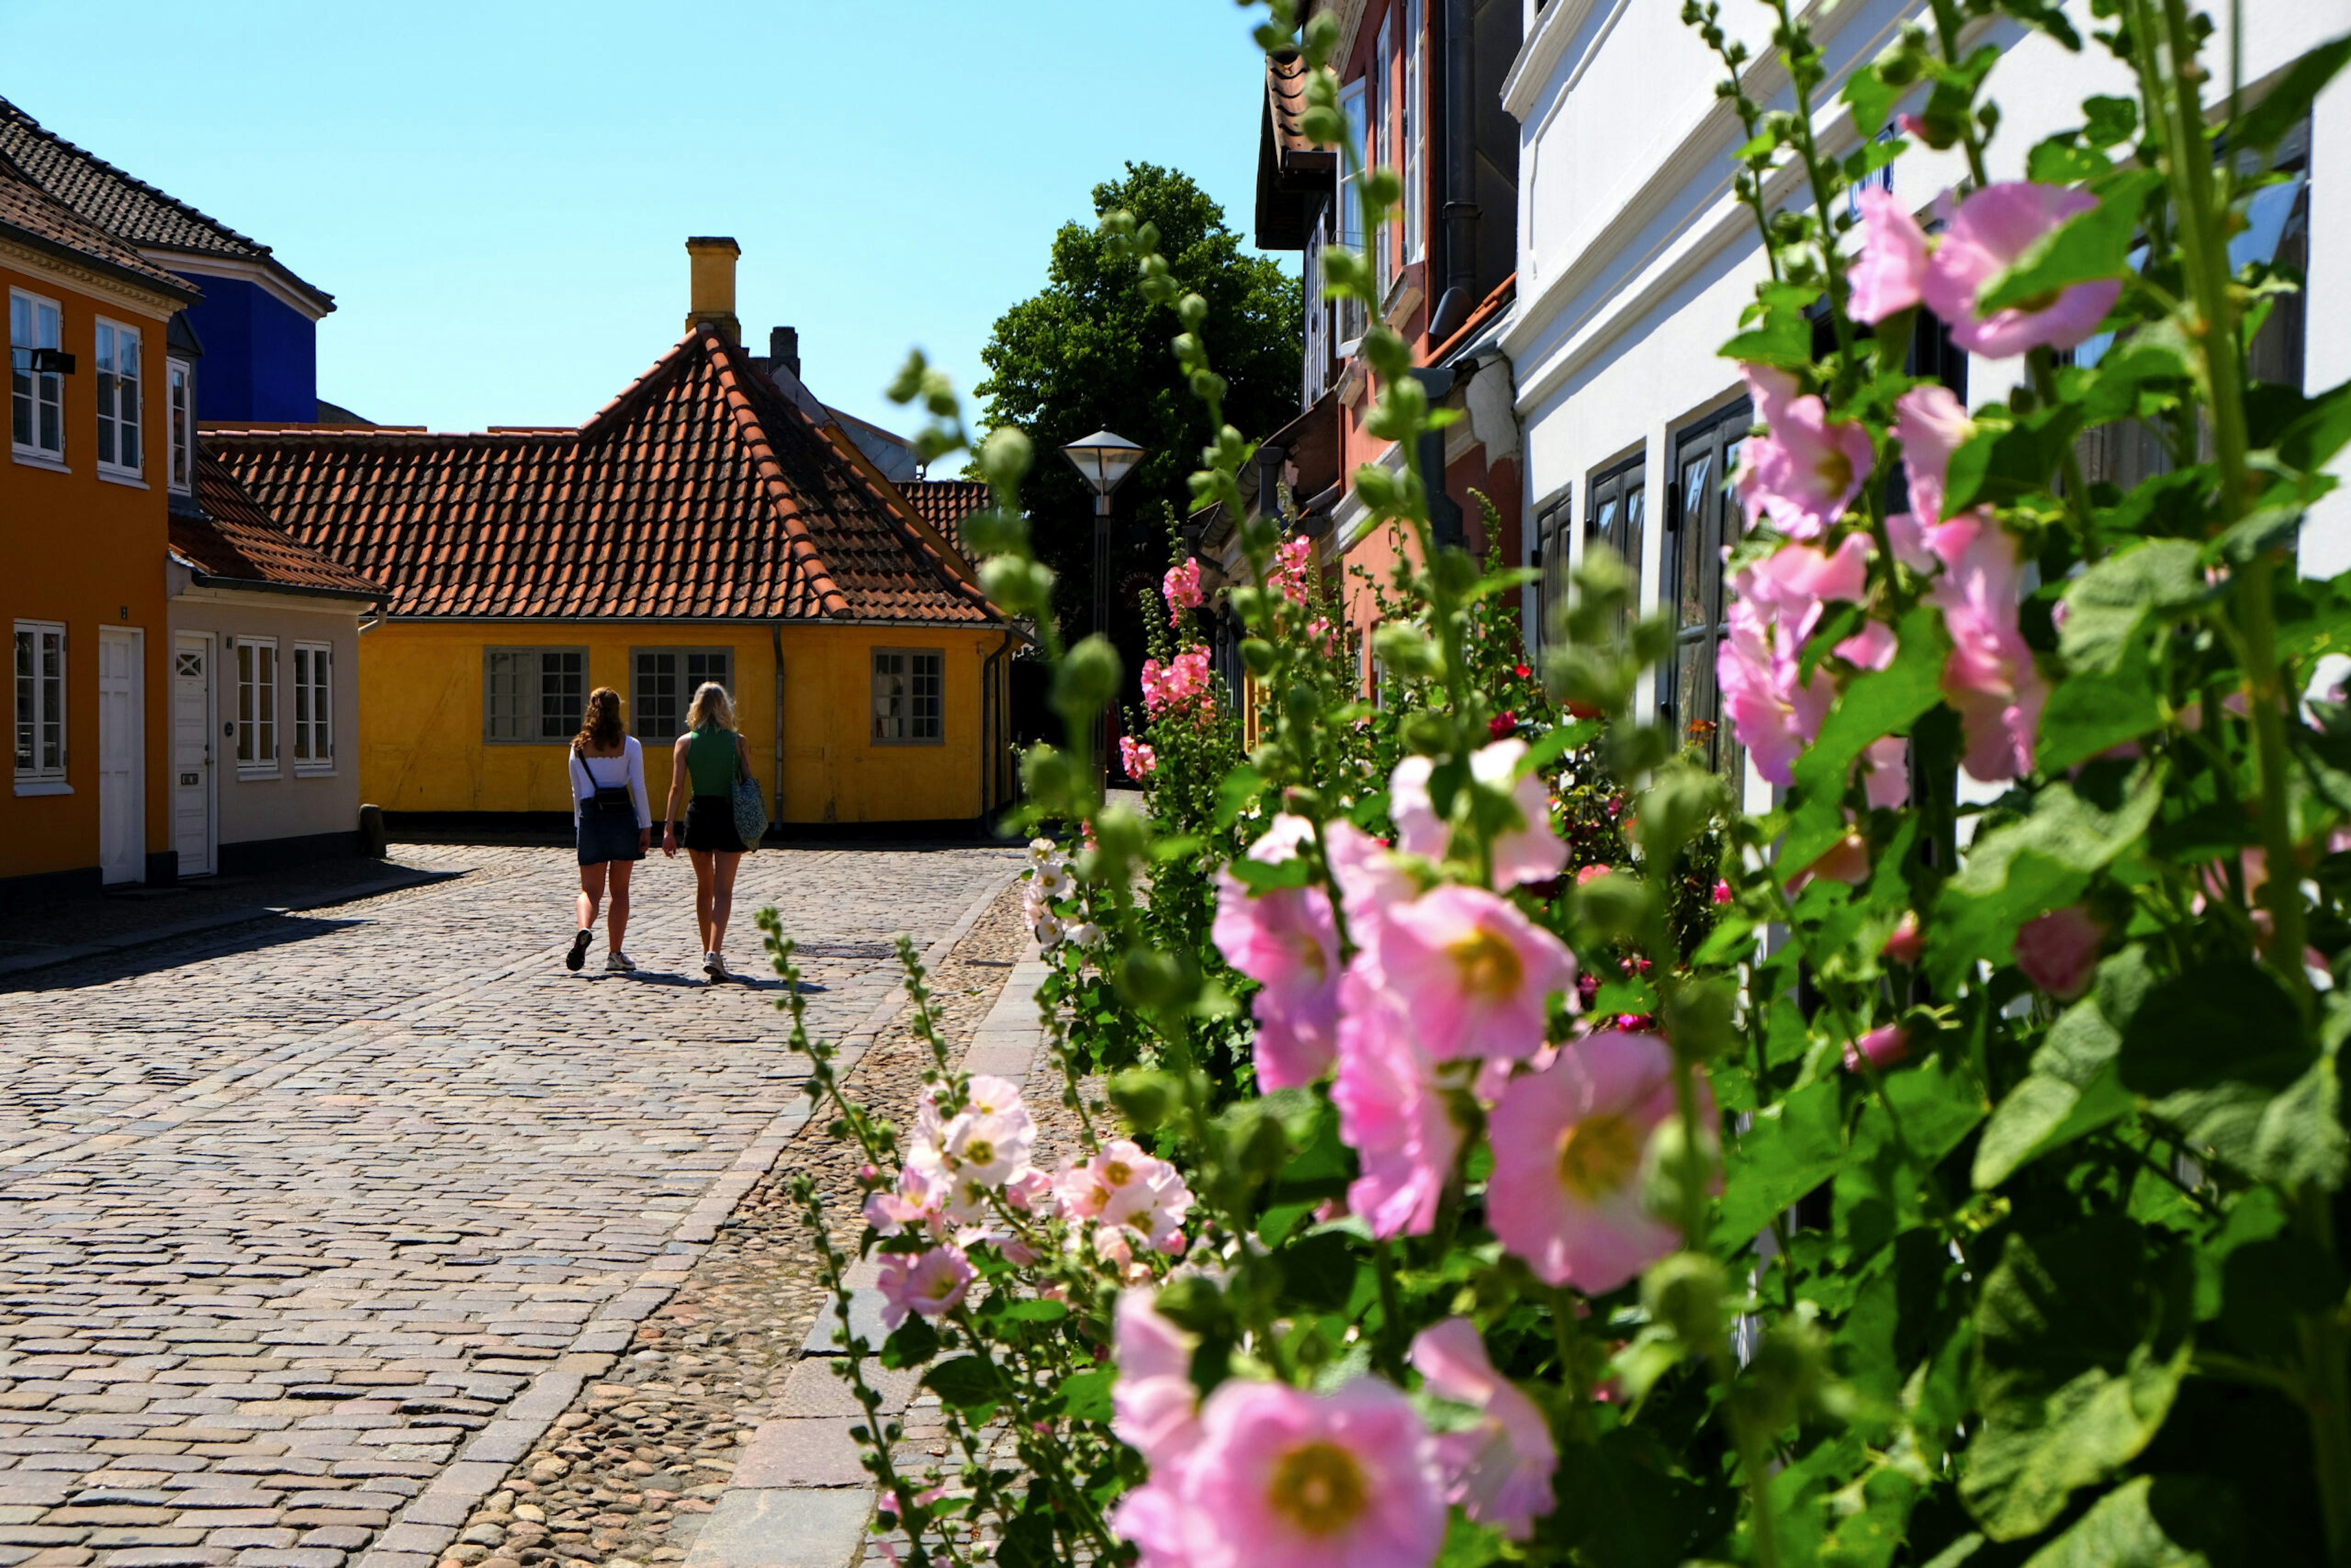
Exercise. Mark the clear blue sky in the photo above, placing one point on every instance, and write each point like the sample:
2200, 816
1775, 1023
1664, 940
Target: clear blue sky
497, 192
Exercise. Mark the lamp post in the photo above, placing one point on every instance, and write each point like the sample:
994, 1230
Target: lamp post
1105, 460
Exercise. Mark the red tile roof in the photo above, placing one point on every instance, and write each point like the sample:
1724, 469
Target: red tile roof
946, 502
1481, 315
700, 491
237, 542
1285, 96
50, 225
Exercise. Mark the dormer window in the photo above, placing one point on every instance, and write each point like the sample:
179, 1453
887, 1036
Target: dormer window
118, 398
180, 422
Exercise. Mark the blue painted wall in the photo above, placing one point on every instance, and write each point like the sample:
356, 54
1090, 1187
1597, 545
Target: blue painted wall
261, 355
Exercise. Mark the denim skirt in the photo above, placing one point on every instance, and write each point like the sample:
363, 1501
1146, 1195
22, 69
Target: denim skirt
607, 836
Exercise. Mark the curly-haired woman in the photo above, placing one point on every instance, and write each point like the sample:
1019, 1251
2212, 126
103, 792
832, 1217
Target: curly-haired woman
614, 822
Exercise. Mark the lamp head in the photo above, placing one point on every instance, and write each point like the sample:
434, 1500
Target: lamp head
1104, 459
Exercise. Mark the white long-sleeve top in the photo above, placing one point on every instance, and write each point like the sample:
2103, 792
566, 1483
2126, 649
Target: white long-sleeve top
589, 774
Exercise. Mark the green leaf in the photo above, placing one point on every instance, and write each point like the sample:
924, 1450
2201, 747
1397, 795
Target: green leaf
1085, 1395
2084, 249
914, 1343
2211, 1049
1039, 1311
1556, 744
2107, 604
2126, 1528
1470, 1545
2268, 121
966, 1382
1785, 339
2301, 1138
2081, 1345
1871, 98
1027, 1543
2112, 120
2093, 710
2027, 868
1881, 702
2073, 1087
1234, 795
2061, 159
2319, 432
2005, 462
1789, 1149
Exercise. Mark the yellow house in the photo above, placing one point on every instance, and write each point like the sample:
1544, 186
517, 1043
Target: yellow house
713, 522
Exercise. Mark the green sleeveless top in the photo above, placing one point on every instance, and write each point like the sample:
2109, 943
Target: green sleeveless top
710, 760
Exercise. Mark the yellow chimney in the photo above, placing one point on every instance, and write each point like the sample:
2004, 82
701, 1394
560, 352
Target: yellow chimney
712, 290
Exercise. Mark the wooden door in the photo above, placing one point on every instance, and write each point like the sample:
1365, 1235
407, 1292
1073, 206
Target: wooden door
191, 754
122, 789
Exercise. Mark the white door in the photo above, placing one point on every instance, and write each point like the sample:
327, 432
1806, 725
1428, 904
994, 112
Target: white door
122, 793
191, 754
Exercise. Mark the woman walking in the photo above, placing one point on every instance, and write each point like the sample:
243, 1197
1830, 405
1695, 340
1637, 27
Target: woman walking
711, 756
614, 822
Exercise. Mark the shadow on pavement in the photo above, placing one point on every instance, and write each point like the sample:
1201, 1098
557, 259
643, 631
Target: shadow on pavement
257, 935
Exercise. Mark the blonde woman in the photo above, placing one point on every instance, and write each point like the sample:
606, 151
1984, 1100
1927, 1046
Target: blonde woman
710, 755
613, 822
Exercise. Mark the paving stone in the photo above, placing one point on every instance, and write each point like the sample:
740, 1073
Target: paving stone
781, 1528
802, 1451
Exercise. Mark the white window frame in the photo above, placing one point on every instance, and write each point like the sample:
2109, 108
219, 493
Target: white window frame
47, 389
37, 704
254, 661
1377, 109
640, 712
907, 720
313, 709
1414, 133
108, 347
179, 423
525, 668
1353, 314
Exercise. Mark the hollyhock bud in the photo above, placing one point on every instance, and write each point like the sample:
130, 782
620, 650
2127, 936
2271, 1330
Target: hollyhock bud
2059, 951
1881, 1048
1988, 234
1499, 1470
1907, 943
1892, 267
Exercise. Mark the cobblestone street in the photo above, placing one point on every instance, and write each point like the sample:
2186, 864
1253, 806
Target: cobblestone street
311, 1228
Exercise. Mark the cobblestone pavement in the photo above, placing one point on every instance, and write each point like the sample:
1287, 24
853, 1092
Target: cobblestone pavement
315, 1222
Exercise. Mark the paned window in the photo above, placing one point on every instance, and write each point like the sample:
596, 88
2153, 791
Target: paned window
533, 695
665, 681
1413, 111
36, 424
1550, 565
180, 415
909, 694
40, 702
1351, 315
1378, 104
118, 397
1701, 521
1616, 514
314, 707
256, 705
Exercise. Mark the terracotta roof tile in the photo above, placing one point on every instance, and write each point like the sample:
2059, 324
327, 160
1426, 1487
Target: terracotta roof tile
699, 491
29, 210
236, 541
946, 502
1285, 94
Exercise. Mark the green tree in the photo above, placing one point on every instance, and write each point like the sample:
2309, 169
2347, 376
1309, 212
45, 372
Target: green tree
1087, 352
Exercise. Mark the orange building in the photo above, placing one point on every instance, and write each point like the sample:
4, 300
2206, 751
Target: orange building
84, 522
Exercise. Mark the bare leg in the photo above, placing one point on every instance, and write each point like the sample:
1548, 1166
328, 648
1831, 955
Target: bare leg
722, 897
618, 923
592, 891
704, 874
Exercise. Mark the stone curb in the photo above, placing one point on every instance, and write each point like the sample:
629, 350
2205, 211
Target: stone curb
429, 1524
800, 1496
238, 915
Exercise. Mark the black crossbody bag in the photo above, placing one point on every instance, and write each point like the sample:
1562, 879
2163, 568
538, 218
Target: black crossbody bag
610, 799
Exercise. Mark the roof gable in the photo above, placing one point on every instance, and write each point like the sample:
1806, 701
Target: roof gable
234, 541
52, 225
698, 491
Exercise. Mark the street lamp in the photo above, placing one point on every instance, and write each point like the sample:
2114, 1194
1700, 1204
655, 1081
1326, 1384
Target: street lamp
1104, 459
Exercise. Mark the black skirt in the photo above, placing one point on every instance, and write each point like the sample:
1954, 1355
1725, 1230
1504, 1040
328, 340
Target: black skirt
606, 836
710, 825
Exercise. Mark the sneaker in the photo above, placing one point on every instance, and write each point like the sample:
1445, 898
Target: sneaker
579, 954
715, 967
619, 963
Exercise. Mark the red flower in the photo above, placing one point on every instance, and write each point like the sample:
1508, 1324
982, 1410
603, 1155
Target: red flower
1501, 725
1521, 671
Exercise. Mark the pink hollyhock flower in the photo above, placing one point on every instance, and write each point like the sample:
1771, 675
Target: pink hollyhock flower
1499, 1470
1286, 940
1907, 535
1392, 1113
1124, 1186
1475, 973
1181, 682
1529, 852
1593, 873
1892, 267
1419, 829
1369, 879
1871, 648
1293, 564
2059, 951
1989, 678
1881, 1048
1993, 229
1154, 1407
1721, 893
1030, 1191
1282, 840
1181, 587
933, 1284
1933, 424
1906, 943
1806, 470
1137, 757
1565, 1193
1774, 712
915, 1201
1152, 1517
1286, 1478
1885, 768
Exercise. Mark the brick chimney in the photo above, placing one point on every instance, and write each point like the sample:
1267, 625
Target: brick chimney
712, 286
